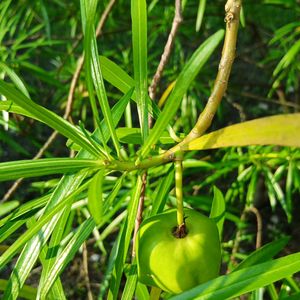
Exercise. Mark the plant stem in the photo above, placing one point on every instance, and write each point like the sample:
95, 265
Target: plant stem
180, 231
232, 16
178, 190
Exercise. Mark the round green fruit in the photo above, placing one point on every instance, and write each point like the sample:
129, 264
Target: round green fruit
177, 264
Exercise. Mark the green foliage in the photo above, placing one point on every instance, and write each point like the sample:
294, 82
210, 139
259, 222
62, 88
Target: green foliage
81, 197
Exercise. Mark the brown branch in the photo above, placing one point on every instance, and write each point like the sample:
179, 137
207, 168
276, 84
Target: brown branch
85, 271
139, 214
167, 50
70, 100
259, 225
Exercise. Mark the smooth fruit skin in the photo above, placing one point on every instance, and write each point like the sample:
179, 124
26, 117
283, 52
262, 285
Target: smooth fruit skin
177, 264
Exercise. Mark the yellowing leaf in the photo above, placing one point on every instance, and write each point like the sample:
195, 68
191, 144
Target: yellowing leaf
283, 130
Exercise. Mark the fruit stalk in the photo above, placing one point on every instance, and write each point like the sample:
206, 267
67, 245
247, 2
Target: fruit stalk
181, 229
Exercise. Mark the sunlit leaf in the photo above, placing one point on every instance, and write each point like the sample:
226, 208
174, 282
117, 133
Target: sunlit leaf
244, 280
283, 130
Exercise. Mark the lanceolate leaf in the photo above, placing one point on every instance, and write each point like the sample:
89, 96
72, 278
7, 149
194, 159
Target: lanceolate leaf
191, 69
283, 130
27, 292
92, 58
139, 44
67, 184
95, 201
124, 242
9, 106
31, 168
47, 117
15, 79
123, 82
245, 280
49, 217
67, 254
263, 254
218, 210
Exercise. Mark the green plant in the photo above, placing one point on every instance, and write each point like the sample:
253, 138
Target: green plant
106, 186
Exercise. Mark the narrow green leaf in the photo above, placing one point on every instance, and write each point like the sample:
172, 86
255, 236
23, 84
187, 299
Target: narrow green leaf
283, 130
124, 242
27, 292
47, 217
139, 45
191, 69
245, 280
10, 227
276, 192
7, 207
242, 17
287, 58
46, 166
14, 78
218, 210
123, 82
288, 189
263, 254
131, 283
252, 188
48, 117
117, 76
45, 257
84, 230
31, 251
200, 14
92, 59
9, 106
117, 113
95, 197
49, 253
25, 208
160, 195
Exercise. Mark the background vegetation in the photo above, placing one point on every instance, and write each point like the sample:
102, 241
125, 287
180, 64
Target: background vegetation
41, 43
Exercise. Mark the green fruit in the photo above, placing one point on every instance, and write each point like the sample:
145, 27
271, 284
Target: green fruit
177, 264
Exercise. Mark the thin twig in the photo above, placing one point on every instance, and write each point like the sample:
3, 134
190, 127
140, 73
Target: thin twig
167, 50
152, 93
70, 100
259, 225
139, 214
85, 270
